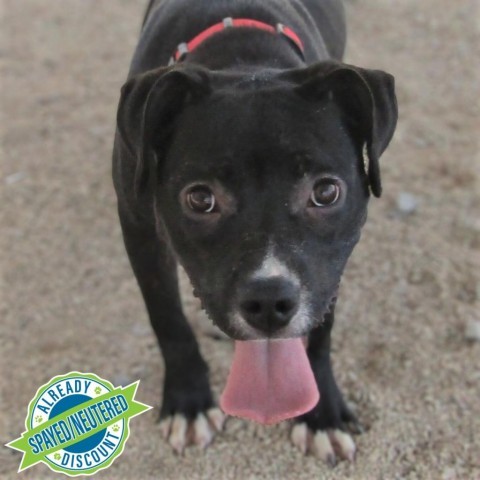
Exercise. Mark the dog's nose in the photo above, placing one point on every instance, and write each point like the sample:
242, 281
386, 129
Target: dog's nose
268, 304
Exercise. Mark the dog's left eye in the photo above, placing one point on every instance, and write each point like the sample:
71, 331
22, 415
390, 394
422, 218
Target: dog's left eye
325, 193
200, 199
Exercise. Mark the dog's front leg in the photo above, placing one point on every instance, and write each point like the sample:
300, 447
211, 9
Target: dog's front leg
322, 431
187, 398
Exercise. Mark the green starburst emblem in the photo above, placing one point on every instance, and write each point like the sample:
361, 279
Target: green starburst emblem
77, 424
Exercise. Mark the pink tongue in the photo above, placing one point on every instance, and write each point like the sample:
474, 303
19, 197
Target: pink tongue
270, 381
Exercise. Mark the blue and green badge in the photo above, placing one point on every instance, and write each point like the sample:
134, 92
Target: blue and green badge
77, 424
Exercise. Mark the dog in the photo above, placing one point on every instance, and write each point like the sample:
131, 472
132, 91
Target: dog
246, 151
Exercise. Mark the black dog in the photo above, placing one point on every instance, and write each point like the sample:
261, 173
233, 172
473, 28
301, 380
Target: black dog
246, 152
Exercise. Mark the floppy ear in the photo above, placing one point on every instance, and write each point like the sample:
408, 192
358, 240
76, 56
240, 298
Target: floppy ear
367, 97
148, 105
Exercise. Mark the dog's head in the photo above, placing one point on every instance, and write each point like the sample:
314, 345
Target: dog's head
260, 181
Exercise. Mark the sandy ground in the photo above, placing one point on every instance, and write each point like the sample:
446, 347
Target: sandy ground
70, 301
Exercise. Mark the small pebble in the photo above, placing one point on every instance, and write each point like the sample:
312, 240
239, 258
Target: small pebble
121, 380
472, 331
449, 474
15, 177
420, 142
407, 203
141, 329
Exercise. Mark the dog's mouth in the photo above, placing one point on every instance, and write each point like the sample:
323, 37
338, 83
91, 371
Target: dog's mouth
270, 379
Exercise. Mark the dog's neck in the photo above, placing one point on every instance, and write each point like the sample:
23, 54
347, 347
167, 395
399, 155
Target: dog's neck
236, 48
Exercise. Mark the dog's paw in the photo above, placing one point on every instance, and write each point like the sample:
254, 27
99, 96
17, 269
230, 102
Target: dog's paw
188, 415
326, 445
326, 430
181, 432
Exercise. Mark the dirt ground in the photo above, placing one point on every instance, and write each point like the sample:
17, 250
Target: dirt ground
70, 301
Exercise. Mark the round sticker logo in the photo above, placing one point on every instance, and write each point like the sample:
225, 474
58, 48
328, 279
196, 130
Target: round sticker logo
77, 424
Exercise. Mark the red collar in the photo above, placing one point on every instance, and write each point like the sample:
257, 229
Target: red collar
229, 22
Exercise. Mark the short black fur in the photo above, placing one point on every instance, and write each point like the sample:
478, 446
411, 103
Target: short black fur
258, 124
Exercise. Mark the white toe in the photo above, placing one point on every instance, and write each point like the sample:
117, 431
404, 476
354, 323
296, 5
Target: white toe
178, 433
343, 444
165, 425
202, 432
322, 448
299, 437
217, 417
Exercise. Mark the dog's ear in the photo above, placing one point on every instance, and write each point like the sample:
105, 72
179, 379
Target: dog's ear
148, 106
367, 97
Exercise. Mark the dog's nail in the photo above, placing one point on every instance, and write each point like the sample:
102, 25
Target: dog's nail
202, 435
217, 417
331, 460
322, 448
299, 437
178, 433
343, 443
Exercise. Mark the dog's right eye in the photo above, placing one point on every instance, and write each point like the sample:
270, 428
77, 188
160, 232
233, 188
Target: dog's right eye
200, 199
325, 193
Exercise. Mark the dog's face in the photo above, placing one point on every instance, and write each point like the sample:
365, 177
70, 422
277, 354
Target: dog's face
262, 189
260, 185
